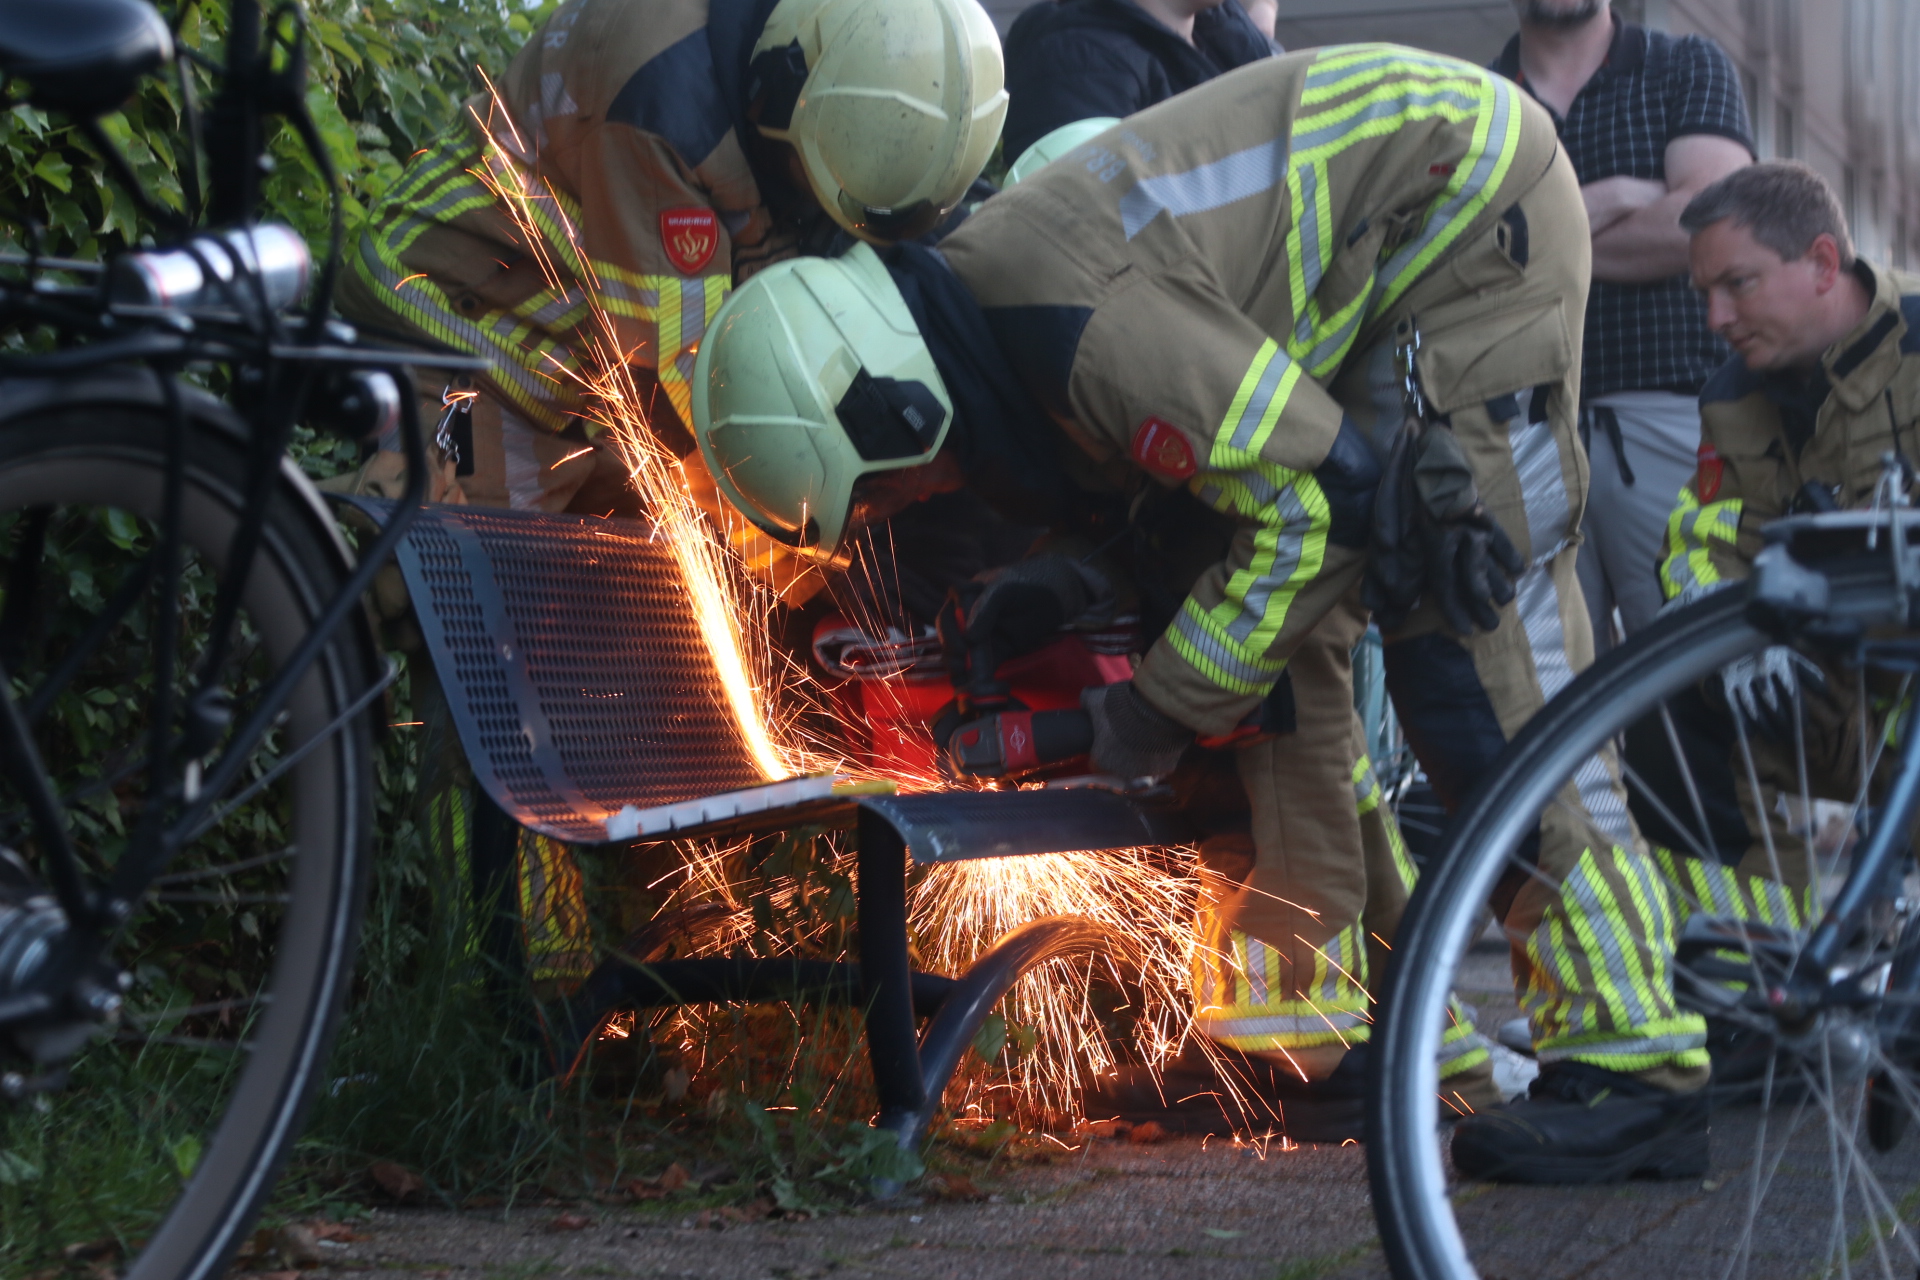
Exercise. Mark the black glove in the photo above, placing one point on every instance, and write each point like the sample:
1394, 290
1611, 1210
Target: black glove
1027, 603
1132, 738
1432, 537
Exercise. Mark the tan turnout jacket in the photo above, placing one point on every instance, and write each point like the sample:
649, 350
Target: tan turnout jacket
613, 118
1764, 436
1182, 292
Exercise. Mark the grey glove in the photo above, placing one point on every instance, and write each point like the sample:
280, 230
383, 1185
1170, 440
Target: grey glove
1026, 604
1760, 687
1132, 738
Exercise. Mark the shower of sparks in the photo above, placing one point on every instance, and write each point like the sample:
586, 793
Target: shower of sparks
1144, 901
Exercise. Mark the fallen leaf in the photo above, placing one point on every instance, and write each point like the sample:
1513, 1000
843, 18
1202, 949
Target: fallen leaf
1109, 1128
297, 1245
675, 1082
398, 1181
570, 1222
674, 1178
339, 1232
1147, 1134
952, 1186
752, 1211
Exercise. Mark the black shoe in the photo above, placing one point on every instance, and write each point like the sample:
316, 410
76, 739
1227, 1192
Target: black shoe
1580, 1123
1241, 1094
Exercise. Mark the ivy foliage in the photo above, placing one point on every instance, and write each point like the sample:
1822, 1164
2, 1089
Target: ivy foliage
385, 78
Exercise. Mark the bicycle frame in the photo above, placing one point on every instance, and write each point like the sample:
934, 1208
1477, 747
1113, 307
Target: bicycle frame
287, 370
1790, 600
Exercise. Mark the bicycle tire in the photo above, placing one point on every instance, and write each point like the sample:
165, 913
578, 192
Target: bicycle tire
69, 451
1413, 1203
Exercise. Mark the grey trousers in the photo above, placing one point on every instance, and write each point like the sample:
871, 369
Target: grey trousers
1627, 519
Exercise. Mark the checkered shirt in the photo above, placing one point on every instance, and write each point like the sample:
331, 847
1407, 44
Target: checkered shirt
1652, 89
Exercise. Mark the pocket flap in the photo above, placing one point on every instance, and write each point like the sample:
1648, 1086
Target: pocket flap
1477, 358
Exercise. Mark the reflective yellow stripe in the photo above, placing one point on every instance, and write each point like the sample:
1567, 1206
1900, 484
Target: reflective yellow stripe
553, 910
1690, 529
1247, 1001
1228, 643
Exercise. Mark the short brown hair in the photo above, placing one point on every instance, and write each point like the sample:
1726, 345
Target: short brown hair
1785, 204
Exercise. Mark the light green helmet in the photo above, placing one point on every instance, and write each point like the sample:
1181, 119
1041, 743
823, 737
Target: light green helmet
1057, 144
813, 378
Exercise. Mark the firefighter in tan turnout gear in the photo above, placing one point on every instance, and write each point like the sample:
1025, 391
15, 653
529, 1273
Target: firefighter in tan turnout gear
670, 148
1823, 386
1215, 295
664, 149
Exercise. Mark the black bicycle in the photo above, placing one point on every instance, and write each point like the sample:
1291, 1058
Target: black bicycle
187, 679
1764, 759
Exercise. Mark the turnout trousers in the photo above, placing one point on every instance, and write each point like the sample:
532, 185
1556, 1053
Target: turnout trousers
1589, 918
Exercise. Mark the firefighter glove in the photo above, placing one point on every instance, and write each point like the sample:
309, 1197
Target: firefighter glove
1434, 538
1131, 737
1761, 687
1026, 604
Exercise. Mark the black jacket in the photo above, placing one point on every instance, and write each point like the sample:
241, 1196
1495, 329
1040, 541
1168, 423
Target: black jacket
1078, 58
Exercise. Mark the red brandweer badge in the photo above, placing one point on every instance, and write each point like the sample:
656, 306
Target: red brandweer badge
1706, 480
689, 237
1162, 449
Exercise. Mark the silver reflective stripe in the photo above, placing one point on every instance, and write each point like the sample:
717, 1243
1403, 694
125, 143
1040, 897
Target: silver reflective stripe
1382, 109
1313, 248
1280, 1024
1289, 546
1538, 604
1543, 486
1582, 893
554, 310
1470, 190
1256, 971
1221, 182
693, 324
1679, 1042
1258, 403
1460, 1046
459, 329
1335, 954
1364, 783
1216, 652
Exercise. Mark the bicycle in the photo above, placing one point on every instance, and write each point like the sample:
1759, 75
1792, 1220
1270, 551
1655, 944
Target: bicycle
187, 677
1807, 993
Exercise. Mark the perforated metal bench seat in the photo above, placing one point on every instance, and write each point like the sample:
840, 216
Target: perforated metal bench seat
589, 710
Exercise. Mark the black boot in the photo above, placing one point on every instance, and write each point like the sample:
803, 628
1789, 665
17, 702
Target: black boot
1213, 1089
1580, 1123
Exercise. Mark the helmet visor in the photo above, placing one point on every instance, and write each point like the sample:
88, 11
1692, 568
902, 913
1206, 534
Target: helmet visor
909, 222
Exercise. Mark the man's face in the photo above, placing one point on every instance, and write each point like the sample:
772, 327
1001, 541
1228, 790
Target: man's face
1767, 309
1558, 13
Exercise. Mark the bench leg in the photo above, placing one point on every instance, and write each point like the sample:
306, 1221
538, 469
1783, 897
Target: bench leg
885, 969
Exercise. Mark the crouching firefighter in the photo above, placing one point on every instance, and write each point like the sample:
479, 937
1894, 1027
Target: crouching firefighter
1821, 395
1216, 294
666, 149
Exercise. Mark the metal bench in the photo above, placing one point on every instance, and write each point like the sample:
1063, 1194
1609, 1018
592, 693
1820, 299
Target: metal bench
581, 692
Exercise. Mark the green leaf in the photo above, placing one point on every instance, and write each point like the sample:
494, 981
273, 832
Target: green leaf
185, 1153
53, 170
991, 1038
17, 1169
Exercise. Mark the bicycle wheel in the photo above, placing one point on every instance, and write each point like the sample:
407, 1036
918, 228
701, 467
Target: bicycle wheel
158, 1152
1791, 1180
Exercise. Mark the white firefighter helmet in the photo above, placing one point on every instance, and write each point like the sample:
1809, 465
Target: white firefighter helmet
1056, 144
894, 106
812, 389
